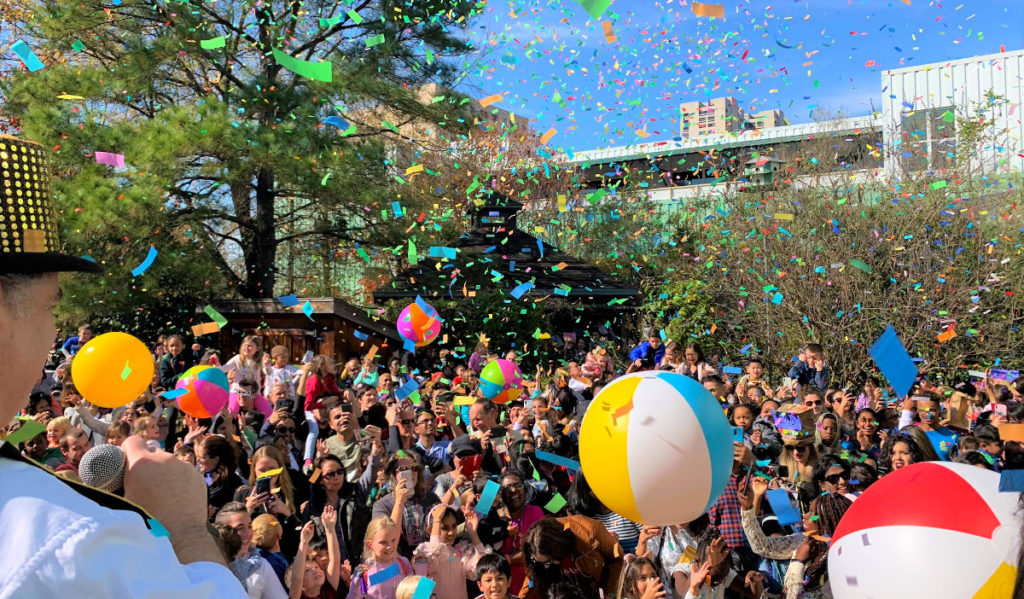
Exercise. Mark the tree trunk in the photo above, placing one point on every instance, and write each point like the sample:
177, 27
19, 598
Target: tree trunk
261, 246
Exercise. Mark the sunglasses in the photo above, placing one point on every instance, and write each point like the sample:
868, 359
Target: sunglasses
285, 429
333, 474
833, 479
796, 448
548, 565
820, 402
408, 421
406, 468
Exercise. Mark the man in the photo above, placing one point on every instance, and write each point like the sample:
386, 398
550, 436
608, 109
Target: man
483, 416
73, 344
344, 444
67, 542
437, 451
649, 353
73, 445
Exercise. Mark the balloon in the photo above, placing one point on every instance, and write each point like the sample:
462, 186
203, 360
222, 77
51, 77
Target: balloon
112, 370
501, 381
419, 326
948, 522
206, 391
656, 448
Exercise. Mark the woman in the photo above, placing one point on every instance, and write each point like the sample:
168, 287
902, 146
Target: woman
255, 573
796, 424
866, 438
928, 453
582, 501
827, 438
694, 365
408, 508
666, 547
349, 499
808, 550
899, 451
519, 518
573, 547
216, 460
832, 475
279, 501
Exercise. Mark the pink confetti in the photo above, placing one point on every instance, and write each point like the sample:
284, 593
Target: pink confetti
109, 158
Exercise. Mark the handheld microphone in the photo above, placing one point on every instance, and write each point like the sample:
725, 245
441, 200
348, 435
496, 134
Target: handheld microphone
103, 467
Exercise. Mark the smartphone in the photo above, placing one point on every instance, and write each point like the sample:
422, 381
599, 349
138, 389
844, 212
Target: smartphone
737, 434
262, 485
405, 478
306, 358
346, 407
469, 465
498, 431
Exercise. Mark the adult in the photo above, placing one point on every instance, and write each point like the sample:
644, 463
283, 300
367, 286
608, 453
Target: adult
96, 533
279, 501
929, 412
217, 461
252, 570
407, 505
344, 443
582, 501
348, 498
517, 517
694, 364
73, 445
648, 354
573, 547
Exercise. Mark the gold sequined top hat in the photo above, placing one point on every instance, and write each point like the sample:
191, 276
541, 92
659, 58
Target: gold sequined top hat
28, 219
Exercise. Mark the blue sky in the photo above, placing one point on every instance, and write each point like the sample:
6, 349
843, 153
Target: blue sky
552, 62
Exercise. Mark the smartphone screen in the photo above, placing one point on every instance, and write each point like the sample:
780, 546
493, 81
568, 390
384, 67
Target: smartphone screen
262, 485
405, 478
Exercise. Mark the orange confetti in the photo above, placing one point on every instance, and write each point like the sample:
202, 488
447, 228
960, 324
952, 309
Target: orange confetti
491, 100
869, 63
547, 136
642, 133
714, 11
609, 34
947, 335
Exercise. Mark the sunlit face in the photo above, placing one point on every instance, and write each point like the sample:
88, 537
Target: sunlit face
837, 480
84, 335
264, 465
278, 392
332, 474
206, 462
929, 412
76, 449
691, 355
280, 361
425, 425
313, 575
480, 419
175, 347
493, 585
367, 399
449, 530
767, 407
242, 524
513, 492
247, 349
246, 398
407, 421
54, 433
901, 456
866, 423
755, 370
815, 402
384, 545
152, 429
829, 430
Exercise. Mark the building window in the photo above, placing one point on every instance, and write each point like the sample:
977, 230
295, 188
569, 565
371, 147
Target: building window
929, 138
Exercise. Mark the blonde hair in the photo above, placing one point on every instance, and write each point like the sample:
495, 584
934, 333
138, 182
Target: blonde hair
141, 425
375, 527
266, 530
318, 365
802, 475
407, 587
283, 480
279, 350
257, 358
61, 423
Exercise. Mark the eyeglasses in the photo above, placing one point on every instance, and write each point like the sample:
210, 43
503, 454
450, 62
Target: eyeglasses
332, 473
513, 487
833, 479
808, 402
405, 469
537, 564
285, 429
408, 421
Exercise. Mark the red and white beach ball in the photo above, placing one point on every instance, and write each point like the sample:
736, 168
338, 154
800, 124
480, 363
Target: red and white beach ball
934, 530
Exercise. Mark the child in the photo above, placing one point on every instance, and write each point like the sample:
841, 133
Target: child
247, 399
493, 574
247, 364
380, 553
810, 368
280, 371
266, 537
148, 428
640, 580
444, 562
753, 380
407, 589
117, 433
320, 384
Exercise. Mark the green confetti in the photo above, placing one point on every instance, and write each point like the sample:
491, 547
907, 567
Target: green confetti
861, 265
212, 43
375, 40
412, 252
557, 503
595, 8
356, 18
319, 71
127, 371
216, 316
78, 46
937, 185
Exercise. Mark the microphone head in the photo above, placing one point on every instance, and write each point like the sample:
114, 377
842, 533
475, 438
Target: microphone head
103, 467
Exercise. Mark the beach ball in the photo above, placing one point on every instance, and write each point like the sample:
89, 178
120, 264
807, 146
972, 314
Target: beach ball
112, 370
501, 381
656, 448
418, 325
206, 391
935, 530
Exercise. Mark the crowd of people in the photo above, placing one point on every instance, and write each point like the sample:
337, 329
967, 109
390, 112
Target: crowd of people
340, 480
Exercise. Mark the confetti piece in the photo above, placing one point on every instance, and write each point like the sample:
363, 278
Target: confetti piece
443, 252
622, 410
30, 429
491, 100
521, 289
141, 268
78, 46
361, 335
70, 97
307, 309
595, 8
110, 159
375, 40
714, 11
609, 33
424, 588
487, 497
782, 507
27, 56
783, 216
547, 136
558, 460
207, 328
289, 301
319, 71
418, 168
463, 400
937, 185
126, 372
216, 316
392, 571
557, 503
174, 393
861, 265
893, 360
411, 386
212, 43
777, 298
356, 17
337, 121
